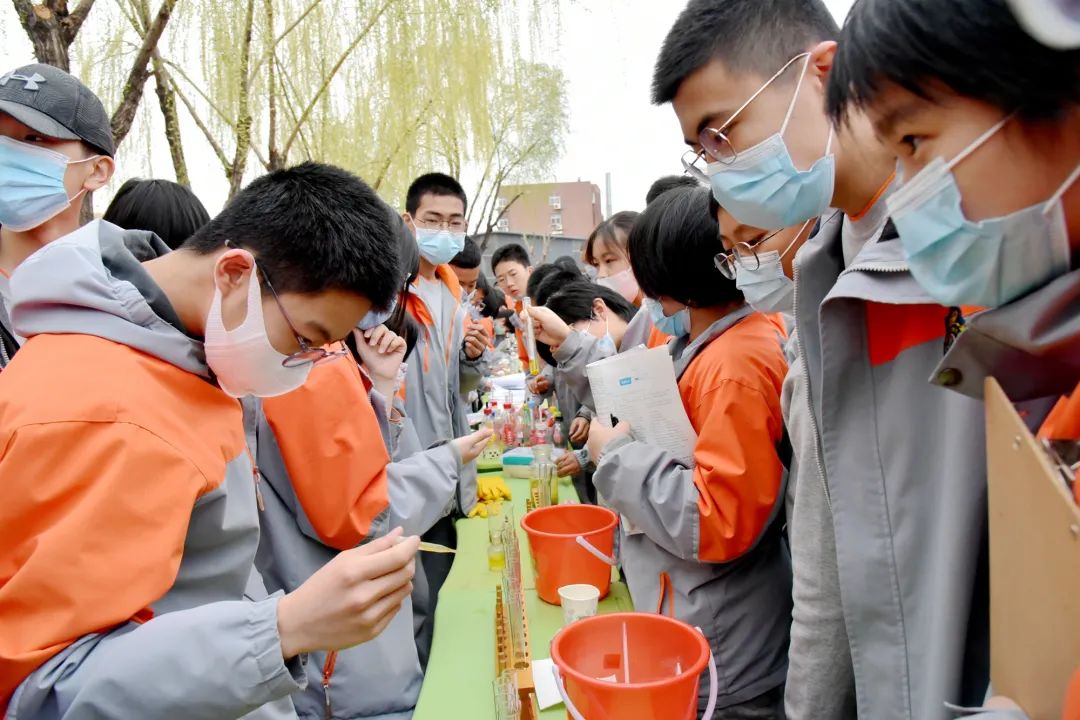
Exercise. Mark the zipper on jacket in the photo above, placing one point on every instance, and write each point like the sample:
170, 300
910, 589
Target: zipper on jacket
328, 672
806, 383
258, 487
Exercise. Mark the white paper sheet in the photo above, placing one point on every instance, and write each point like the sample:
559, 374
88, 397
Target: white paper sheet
639, 386
547, 692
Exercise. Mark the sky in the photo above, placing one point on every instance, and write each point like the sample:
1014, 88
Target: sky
606, 49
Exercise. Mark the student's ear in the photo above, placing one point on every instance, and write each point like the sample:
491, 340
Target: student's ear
408, 218
821, 60
102, 172
233, 270
599, 308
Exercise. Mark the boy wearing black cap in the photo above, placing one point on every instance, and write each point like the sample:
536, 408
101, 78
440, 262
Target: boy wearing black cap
56, 147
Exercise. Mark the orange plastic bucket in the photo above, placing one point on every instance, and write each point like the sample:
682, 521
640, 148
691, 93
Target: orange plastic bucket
560, 558
632, 666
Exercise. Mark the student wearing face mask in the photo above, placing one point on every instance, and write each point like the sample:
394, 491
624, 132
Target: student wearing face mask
148, 459
706, 541
604, 315
324, 452
51, 158
888, 543
1012, 247
606, 251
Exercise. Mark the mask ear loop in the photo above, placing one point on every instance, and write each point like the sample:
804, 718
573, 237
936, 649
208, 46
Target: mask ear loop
798, 86
978, 143
1073, 176
796, 238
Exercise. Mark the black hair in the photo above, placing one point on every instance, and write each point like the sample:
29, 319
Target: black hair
574, 302
494, 299
565, 262
555, 282
433, 184
167, 209
756, 36
312, 228
469, 258
672, 247
669, 182
975, 48
510, 253
607, 231
539, 274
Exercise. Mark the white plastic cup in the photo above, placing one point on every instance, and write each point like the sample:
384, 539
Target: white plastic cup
578, 601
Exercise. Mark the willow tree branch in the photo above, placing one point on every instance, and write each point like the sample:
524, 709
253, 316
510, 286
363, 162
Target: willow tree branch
140, 71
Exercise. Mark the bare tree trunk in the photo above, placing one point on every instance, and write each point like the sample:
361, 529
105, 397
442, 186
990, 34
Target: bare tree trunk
52, 29
276, 162
243, 116
166, 97
124, 115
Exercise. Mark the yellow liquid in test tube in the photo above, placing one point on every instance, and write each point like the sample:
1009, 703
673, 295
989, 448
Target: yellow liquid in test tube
496, 558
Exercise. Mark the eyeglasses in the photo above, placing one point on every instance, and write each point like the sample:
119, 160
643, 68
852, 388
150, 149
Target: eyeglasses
306, 354
450, 225
743, 254
692, 165
715, 143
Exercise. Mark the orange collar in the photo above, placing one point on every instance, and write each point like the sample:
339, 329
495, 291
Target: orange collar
873, 201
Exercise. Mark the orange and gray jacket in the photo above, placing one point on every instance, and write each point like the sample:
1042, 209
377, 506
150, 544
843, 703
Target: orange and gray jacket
714, 529
436, 382
1032, 348
328, 485
901, 465
128, 523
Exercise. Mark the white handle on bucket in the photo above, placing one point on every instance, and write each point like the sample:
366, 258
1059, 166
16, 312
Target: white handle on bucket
565, 697
593, 551
713, 682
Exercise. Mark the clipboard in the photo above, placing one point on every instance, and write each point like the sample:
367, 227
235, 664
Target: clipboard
1034, 566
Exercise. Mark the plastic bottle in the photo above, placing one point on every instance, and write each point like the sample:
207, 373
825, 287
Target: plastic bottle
510, 430
526, 428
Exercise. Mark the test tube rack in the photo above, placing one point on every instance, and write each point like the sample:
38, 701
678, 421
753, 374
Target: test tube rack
509, 658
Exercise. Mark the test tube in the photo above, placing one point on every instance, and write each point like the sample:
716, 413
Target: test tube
530, 339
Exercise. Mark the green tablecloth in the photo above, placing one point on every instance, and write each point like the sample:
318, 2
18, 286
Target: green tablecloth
462, 664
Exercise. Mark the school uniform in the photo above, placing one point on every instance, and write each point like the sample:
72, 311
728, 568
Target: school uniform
1031, 346
714, 529
128, 517
323, 453
439, 378
888, 534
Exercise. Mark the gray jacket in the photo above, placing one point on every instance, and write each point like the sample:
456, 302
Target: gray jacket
381, 678
902, 475
743, 605
1032, 348
178, 536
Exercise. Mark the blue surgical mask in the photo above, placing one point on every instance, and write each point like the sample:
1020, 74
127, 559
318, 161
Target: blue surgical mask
439, 246
606, 344
762, 187
675, 325
988, 262
32, 188
766, 287
374, 318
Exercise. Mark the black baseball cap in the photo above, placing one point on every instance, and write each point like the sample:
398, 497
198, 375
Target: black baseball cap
57, 105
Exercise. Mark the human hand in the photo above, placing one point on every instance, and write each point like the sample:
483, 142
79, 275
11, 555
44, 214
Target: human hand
476, 339
381, 351
469, 447
568, 465
351, 599
600, 435
550, 328
579, 430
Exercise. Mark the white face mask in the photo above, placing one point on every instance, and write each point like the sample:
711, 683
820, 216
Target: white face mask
243, 359
623, 283
766, 288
